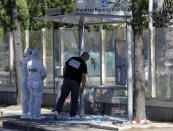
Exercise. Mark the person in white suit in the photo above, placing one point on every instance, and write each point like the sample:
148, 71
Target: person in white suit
36, 75
23, 83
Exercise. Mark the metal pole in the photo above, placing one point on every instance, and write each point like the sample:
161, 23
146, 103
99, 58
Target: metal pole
81, 39
81, 49
150, 10
129, 71
152, 81
61, 34
11, 57
102, 58
27, 38
44, 52
54, 70
114, 43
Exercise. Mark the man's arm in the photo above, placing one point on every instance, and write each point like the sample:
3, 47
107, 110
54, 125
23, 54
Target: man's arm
64, 69
83, 80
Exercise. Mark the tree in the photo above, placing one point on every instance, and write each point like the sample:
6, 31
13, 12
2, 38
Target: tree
14, 16
27, 9
17, 44
23, 14
37, 8
139, 22
5, 15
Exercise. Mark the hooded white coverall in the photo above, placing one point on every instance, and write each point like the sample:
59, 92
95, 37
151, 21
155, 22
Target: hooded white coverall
23, 83
36, 75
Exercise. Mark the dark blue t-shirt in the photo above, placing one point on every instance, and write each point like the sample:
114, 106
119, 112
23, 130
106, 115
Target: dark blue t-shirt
75, 68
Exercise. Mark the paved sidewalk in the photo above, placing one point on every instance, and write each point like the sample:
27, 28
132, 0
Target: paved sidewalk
11, 120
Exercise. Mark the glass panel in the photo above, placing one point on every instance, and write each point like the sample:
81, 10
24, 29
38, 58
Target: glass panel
48, 62
43, 39
145, 38
92, 45
70, 41
35, 40
57, 52
110, 58
4, 59
164, 62
103, 97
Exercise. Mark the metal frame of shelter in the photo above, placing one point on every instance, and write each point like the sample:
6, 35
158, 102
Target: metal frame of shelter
92, 19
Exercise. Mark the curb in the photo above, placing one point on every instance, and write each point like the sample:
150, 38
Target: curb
101, 127
21, 126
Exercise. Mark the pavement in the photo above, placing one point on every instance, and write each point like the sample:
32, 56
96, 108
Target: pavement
10, 119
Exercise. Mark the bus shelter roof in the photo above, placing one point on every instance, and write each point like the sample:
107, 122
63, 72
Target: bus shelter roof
86, 19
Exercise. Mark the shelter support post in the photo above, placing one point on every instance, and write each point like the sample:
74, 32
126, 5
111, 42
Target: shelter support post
102, 58
152, 63
44, 51
81, 39
27, 38
61, 50
150, 11
81, 49
54, 71
152, 81
11, 56
168, 87
129, 71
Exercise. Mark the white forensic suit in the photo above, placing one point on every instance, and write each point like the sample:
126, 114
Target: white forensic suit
36, 75
23, 83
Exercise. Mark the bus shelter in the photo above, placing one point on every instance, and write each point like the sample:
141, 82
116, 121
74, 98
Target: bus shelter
84, 19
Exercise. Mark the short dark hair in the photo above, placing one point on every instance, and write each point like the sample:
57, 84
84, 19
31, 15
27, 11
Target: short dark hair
85, 54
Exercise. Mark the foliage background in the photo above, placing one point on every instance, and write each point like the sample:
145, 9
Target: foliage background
27, 9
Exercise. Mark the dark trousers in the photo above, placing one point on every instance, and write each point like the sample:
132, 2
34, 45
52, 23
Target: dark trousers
67, 87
